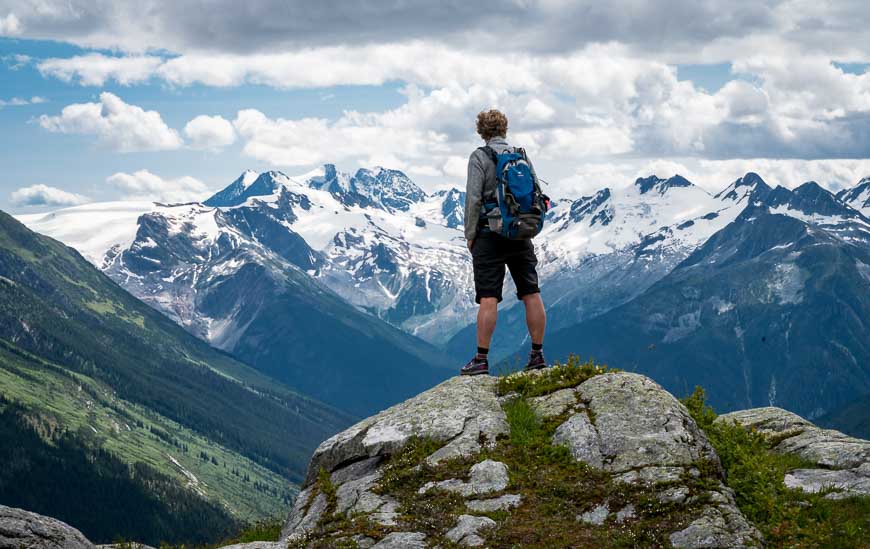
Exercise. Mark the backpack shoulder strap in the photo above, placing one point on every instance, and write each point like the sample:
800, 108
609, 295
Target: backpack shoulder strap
490, 152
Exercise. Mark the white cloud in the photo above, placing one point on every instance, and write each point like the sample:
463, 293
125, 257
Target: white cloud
118, 125
20, 102
713, 175
10, 25
209, 132
144, 185
16, 61
44, 195
95, 69
589, 87
678, 31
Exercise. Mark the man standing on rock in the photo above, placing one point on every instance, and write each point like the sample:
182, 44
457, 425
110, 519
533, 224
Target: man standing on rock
504, 209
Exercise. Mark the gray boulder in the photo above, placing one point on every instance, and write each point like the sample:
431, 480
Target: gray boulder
720, 527
460, 411
556, 403
20, 529
844, 461
639, 424
642, 434
402, 540
463, 412
487, 477
826, 447
596, 516
467, 529
501, 503
581, 439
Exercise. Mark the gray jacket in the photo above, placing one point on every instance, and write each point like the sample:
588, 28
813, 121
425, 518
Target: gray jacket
481, 183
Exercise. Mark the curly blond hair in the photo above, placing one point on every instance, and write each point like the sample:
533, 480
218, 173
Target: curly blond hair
492, 123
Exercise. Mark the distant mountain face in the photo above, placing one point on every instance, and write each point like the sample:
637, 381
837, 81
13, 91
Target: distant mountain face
858, 197
385, 246
852, 418
92, 365
770, 310
239, 276
600, 251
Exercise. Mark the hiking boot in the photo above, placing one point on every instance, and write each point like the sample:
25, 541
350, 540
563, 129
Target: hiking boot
476, 366
536, 361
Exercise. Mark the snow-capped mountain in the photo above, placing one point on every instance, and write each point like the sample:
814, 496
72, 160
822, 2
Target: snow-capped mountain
770, 310
271, 266
600, 251
858, 196
386, 246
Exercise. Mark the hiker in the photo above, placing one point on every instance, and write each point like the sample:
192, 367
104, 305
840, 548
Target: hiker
504, 209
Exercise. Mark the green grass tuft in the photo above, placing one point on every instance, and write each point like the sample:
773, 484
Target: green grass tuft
265, 530
559, 376
787, 518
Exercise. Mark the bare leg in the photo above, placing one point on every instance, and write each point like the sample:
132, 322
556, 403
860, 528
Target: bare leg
486, 317
536, 317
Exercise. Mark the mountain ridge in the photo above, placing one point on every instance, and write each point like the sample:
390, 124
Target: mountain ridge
79, 350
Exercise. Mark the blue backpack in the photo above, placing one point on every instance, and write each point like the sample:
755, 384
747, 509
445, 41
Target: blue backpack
517, 210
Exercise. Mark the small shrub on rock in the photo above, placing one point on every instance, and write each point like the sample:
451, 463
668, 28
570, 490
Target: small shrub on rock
559, 376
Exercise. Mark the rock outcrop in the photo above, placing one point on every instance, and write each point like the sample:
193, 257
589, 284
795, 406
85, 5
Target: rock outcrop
20, 529
842, 462
623, 424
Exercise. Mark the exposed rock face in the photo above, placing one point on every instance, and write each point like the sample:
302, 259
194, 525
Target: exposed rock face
642, 434
624, 424
20, 529
461, 411
640, 425
844, 461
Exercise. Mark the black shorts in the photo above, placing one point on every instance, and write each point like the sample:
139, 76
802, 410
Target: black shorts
491, 253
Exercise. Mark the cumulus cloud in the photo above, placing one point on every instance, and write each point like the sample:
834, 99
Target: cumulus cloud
209, 132
95, 69
44, 195
9, 25
587, 85
116, 124
144, 185
684, 29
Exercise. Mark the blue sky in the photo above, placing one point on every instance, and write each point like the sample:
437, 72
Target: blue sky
597, 93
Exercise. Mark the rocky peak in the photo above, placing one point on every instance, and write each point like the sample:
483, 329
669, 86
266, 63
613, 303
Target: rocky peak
659, 185
249, 184
389, 189
858, 196
452, 207
751, 185
810, 198
596, 208
229, 196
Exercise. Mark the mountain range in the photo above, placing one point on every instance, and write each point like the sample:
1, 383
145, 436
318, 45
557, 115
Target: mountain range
98, 388
271, 257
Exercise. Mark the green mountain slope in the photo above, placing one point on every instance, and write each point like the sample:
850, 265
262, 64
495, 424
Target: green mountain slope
75, 346
139, 501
